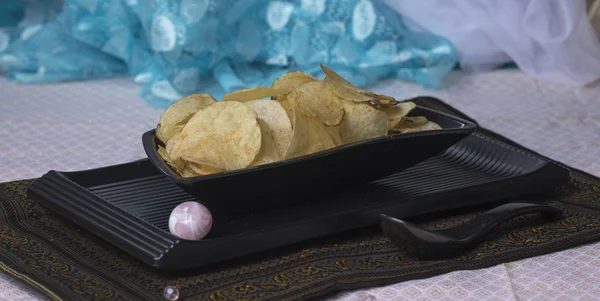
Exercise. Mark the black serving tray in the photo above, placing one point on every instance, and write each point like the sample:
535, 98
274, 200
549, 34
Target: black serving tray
128, 205
299, 179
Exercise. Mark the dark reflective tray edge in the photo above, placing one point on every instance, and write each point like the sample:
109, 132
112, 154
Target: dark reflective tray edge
49, 190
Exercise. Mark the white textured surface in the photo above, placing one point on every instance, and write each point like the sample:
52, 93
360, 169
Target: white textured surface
82, 125
70, 126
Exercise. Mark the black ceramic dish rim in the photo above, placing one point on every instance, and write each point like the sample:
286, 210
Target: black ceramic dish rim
150, 147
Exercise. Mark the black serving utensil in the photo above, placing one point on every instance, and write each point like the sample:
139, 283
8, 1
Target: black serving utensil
428, 245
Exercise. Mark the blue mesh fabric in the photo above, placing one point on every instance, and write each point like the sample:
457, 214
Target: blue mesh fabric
177, 47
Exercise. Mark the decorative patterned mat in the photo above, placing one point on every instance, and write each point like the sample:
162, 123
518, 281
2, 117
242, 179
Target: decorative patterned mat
67, 262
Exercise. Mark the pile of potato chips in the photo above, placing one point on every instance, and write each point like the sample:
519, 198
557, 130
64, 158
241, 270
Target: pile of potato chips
304, 115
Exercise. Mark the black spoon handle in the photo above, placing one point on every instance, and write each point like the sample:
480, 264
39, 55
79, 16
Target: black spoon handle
485, 222
426, 244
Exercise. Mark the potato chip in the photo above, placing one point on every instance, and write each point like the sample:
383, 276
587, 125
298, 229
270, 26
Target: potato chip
348, 93
269, 150
162, 153
362, 122
379, 99
346, 90
397, 112
343, 88
287, 106
178, 163
408, 125
318, 98
187, 172
382, 98
335, 78
309, 135
277, 120
225, 135
304, 116
169, 145
334, 133
174, 118
291, 81
251, 94
414, 119
199, 169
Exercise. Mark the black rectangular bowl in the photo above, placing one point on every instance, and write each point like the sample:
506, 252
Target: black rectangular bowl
286, 182
129, 205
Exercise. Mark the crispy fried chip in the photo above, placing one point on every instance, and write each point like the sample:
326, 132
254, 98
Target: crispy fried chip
414, 119
225, 135
187, 172
287, 106
335, 78
362, 122
415, 124
277, 120
346, 90
319, 99
309, 135
162, 153
169, 145
199, 169
397, 112
174, 118
269, 150
177, 164
334, 133
304, 116
291, 81
251, 94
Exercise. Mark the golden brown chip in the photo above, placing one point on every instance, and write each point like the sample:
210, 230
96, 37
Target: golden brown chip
309, 135
291, 81
414, 120
335, 78
174, 118
334, 133
178, 163
269, 150
169, 145
162, 153
187, 172
362, 122
251, 94
199, 169
278, 122
349, 93
344, 89
225, 135
319, 99
416, 124
381, 98
397, 112
287, 106
304, 116
347, 90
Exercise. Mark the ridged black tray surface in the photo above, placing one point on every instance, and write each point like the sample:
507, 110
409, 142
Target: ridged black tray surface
129, 205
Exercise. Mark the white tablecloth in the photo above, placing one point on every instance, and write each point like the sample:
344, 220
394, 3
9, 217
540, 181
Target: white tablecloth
82, 125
